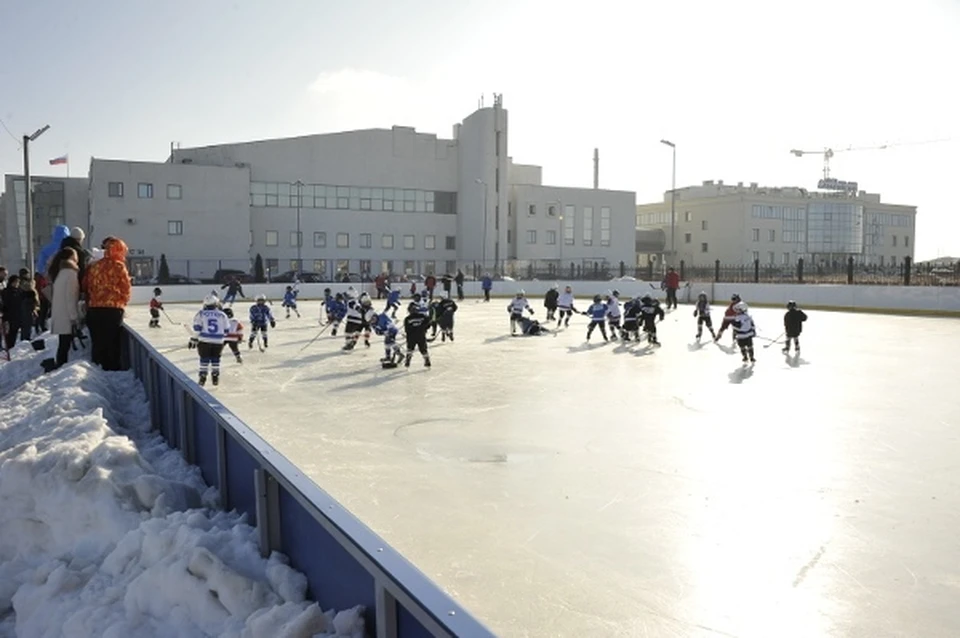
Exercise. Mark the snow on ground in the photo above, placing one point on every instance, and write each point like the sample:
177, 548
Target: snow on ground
564, 489
105, 531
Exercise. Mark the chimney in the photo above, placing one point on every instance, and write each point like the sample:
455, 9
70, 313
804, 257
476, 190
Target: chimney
596, 168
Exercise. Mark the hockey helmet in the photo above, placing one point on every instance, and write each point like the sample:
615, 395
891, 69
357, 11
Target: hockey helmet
416, 296
365, 301
326, 291
615, 293
568, 289
596, 299
157, 292
339, 296
735, 298
289, 288
702, 295
210, 301
261, 299
646, 299
520, 294
555, 287
412, 308
740, 308
791, 305
228, 312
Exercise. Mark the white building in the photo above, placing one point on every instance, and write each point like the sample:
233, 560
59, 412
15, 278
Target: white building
362, 202
740, 224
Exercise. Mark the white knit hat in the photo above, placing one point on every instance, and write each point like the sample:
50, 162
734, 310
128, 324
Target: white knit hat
77, 233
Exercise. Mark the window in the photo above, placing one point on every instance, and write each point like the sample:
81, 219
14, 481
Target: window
174, 191
756, 234
451, 242
366, 240
509, 209
320, 266
386, 241
569, 219
688, 238
144, 190
429, 242
273, 238
409, 267
786, 258
174, 228
343, 267
364, 266
386, 266
114, 189
771, 258
409, 242
703, 225
319, 240
296, 239
531, 236
532, 210
451, 266
273, 265
906, 241
704, 247
294, 265
551, 239
756, 256
894, 241
893, 260
551, 211
688, 216
604, 225
881, 260
588, 225
509, 236
772, 235
343, 240
430, 267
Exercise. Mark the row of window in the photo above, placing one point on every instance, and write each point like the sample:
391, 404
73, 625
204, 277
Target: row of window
365, 240
144, 190
570, 225
342, 266
889, 219
760, 211
285, 195
875, 240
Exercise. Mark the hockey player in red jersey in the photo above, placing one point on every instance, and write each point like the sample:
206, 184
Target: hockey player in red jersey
155, 307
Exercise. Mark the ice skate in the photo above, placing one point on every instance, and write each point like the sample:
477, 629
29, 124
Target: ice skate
786, 349
406, 361
239, 359
426, 362
203, 379
215, 378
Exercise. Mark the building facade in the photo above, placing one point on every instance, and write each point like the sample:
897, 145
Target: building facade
777, 226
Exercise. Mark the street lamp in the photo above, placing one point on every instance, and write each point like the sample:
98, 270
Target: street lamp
484, 250
299, 186
559, 231
26, 178
673, 201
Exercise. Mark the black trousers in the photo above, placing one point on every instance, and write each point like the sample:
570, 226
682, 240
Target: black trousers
417, 341
13, 331
671, 297
106, 332
486, 294
459, 292
63, 348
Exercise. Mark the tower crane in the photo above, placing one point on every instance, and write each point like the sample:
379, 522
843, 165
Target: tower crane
829, 152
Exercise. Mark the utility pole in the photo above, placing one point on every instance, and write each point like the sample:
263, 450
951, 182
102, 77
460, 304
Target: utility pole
673, 203
27, 184
484, 246
299, 186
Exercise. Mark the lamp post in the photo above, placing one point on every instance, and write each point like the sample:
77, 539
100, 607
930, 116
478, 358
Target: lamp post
559, 232
484, 250
299, 186
26, 178
673, 202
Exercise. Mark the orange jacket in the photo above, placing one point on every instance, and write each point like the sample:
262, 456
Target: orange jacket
107, 281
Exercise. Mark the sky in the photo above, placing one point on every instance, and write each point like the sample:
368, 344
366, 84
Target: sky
734, 84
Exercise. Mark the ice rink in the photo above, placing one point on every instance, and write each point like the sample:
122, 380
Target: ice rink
564, 489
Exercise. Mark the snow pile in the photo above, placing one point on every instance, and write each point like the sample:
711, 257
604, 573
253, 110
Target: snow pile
105, 531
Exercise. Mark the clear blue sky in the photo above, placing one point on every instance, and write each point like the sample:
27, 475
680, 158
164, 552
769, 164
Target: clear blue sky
735, 84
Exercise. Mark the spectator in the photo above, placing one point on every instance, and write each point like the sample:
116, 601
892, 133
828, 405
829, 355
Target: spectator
3, 277
459, 280
65, 273
672, 283
10, 302
75, 241
107, 284
44, 288
447, 282
430, 283
29, 308
381, 282
486, 284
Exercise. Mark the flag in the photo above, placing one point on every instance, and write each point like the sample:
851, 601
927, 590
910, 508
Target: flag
58, 160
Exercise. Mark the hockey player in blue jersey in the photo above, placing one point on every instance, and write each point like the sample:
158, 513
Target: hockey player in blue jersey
393, 303
211, 326
392, 354
260, 316
336, 310
290, 301
598, 316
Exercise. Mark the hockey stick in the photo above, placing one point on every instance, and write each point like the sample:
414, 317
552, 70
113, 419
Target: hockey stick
322, 330
769, 339
772, 341
168, 317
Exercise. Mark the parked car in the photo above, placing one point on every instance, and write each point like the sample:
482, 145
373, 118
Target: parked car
227, 274
624, 278
176, 280
303, 277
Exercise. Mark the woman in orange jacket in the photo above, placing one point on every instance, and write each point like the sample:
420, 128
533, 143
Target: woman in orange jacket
107, 285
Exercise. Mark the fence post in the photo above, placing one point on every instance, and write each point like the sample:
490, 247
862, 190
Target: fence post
683, 268
623, 269
849, 270
649, 270
907, 267
800, 270
756, 271
572, 267
716, 271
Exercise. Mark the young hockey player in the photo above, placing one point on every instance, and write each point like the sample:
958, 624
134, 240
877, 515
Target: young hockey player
393, 302
392, 354
415, 328
631, 319
516, 308
597, 313
702, 313
532, 327
211, 326
614, 313
744, 330
728, 316
422, 304
444, 317
290, 301
155, 307
336, 310
565, 305
793, 325
233, 289
550, 302
649, 310
260, 316
234, 335
360, 315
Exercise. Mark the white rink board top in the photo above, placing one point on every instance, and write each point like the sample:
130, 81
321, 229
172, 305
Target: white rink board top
933, 300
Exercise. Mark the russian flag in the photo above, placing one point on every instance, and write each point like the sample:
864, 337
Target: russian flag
58, 160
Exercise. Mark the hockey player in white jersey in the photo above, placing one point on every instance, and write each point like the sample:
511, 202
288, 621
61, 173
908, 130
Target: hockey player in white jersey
744, 330
614, 314
211, 326
516, 307
565, 304
360, 317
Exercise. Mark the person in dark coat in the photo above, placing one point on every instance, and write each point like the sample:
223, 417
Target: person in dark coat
550, 302
793, 325
486, 284
459, 280
447, 282
10, 302
75, 241
430, 283
29, 308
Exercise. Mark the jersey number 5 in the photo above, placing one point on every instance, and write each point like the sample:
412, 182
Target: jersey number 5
213, 325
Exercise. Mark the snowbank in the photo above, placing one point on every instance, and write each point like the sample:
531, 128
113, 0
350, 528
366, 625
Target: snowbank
105, 531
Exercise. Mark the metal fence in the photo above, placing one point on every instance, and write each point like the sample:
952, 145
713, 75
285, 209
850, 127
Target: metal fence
345, 563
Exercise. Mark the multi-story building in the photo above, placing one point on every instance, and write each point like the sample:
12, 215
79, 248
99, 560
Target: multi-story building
361, 202
740, 224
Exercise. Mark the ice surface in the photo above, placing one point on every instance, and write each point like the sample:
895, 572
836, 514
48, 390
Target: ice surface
561, 489
93, 541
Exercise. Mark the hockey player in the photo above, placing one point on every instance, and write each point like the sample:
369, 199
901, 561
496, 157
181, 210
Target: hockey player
793, 325
728, 315
155, 307
233, 289
565, 305
516, 308
444, 317
631, 319
744, 330
702, 313
392, 354
423, 305
550, 302
211, 326
415, 328
260, 316
532, 327
290, 301
234, 335
649, 311
393, 302
614, 313
597, 313
360, 316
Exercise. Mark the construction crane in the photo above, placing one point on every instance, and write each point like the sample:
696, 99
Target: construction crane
829, 152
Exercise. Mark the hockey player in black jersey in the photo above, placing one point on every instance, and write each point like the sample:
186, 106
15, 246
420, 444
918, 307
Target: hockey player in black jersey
649, 310
415, 328
793, 325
